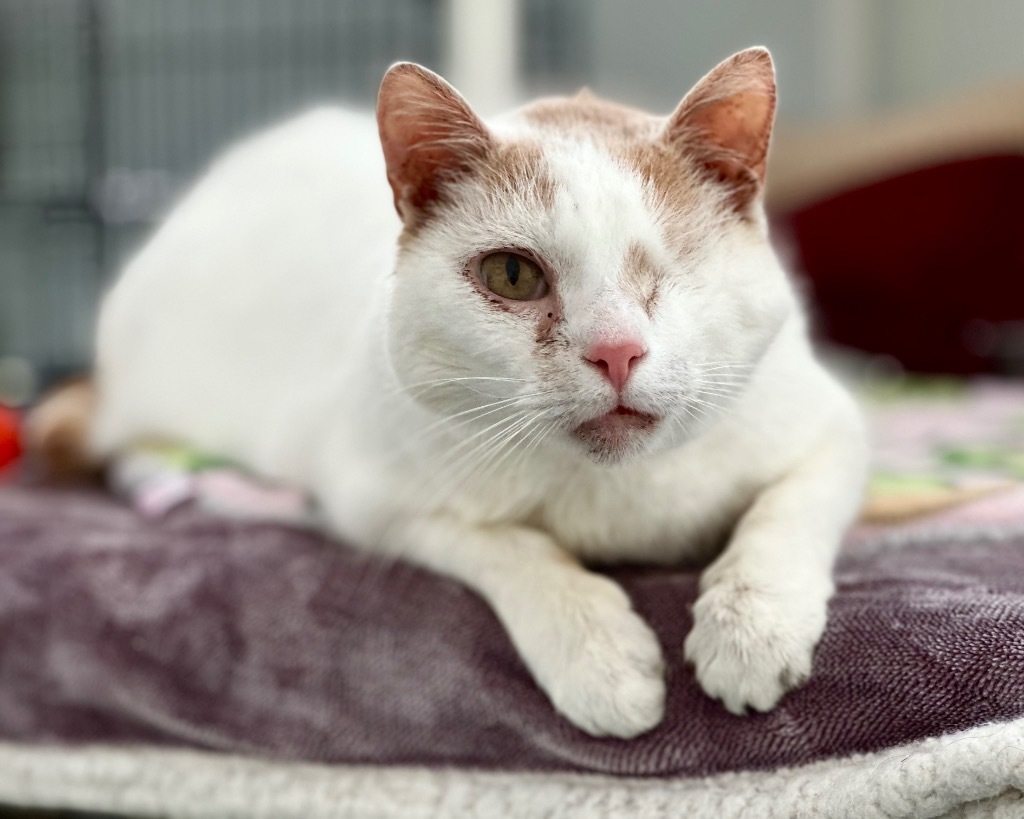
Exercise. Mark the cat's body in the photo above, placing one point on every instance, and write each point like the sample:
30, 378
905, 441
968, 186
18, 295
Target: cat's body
653, 393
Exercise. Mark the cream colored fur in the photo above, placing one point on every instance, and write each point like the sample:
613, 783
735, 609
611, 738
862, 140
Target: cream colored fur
274, 319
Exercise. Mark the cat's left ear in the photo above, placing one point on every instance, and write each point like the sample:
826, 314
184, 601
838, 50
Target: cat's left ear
429, 134
726, 123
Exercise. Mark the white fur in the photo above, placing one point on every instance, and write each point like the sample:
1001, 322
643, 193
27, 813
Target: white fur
272, 321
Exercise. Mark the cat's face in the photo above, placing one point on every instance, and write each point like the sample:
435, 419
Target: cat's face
579, 273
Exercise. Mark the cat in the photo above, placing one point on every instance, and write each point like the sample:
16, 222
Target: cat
507, 350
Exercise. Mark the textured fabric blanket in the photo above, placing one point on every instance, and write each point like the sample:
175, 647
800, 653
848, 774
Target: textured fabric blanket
197, 666
199, 633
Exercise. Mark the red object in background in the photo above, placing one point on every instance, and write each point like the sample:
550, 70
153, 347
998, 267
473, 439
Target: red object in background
10, 441
922, 266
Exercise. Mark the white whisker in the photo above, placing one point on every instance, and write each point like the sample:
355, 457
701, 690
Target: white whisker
455, 473
467, 416
490, 466
456, 379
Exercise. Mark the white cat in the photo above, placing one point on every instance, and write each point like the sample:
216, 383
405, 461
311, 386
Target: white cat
572, 343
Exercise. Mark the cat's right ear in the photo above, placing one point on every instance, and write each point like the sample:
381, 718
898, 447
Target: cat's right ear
429, 135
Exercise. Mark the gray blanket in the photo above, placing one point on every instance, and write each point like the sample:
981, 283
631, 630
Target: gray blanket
201, 633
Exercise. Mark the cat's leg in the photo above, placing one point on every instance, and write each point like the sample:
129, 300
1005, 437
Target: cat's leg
600, 664
762, 606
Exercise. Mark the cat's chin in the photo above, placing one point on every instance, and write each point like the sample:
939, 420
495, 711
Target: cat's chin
618, 435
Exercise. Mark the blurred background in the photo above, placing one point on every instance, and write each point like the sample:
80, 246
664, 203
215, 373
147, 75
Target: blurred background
108, 107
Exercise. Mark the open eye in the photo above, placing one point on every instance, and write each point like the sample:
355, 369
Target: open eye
512, 276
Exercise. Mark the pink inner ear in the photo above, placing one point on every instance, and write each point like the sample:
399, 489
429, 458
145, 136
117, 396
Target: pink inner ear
725, 122
428, 133
741, 126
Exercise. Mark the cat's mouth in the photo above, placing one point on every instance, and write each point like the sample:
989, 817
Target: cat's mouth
617, 432
628, 411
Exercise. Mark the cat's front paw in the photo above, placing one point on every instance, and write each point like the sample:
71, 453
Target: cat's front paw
750, 645
609, 676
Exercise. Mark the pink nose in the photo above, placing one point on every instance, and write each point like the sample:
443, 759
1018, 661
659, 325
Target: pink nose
616, 361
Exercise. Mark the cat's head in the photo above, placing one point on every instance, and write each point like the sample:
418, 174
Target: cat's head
578, 272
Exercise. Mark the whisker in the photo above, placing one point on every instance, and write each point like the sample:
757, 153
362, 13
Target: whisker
438, 382
475, 436
457, 471
486, 457
719, 365
449, 475
491, 466
474, 413
719, 393
475, 457
721, 378
696, 399
691, 413
536, 440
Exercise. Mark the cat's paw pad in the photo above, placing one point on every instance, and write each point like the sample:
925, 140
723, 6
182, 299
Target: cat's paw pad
610, 681
749, 646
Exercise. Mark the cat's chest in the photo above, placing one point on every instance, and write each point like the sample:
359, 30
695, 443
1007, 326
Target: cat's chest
676, 509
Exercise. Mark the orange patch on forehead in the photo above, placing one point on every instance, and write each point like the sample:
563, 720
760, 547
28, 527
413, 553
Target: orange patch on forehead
675, 184
509, 170
676, 191
587, 116
517, 168
634, 138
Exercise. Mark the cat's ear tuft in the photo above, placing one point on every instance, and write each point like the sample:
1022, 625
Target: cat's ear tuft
429, 134
726, 122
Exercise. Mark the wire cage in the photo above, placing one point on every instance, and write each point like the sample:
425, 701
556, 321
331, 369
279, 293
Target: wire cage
107, 107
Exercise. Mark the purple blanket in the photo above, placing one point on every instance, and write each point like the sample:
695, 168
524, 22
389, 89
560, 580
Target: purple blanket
201, 633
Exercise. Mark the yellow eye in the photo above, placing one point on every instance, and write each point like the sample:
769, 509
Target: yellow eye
512, 276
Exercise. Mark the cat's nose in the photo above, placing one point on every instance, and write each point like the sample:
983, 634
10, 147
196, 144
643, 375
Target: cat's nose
616, 361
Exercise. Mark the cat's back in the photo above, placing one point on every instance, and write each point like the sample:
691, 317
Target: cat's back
257, 283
